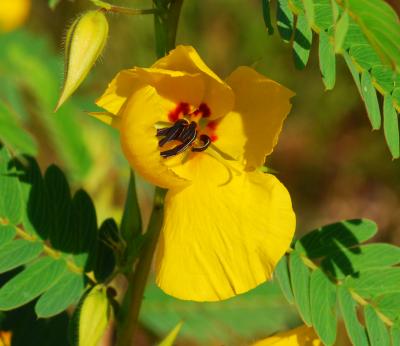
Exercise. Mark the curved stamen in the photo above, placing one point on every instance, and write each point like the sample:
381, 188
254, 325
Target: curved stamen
187, 132
181, 147
173, 133
206, 142
164, 131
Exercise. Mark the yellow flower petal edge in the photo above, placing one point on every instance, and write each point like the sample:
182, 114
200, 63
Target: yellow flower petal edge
222, 240
182, 128
300, 336
263, 105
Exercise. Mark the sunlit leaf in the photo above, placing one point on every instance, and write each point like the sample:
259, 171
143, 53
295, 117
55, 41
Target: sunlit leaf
377, 331
391, 126
300, 279
323, 301
348, 308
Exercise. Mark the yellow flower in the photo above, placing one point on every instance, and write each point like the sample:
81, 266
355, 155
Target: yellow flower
13, 13
301, 336
226, 223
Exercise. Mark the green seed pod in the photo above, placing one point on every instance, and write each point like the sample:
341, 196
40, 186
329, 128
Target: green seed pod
94, 316
84, 43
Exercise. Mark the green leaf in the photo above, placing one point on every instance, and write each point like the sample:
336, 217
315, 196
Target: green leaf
33, 281
341, 28
391, 126
395, 334
222, 323
353, 71
283, 277
348, 307
327, 61
7, 233
323, 301
12, 134
309, 11
326, 240
371, 100
105, 260
351, 261
267, 16
380, 24
300, 279
374, 282
18, 252
284, 19
302, 42
64, 293
323, 15
11, 204
377, 331
383, 79
364, 55
389, 305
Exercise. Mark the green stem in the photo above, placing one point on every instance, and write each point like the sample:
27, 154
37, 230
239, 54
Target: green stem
137, 282
165, 24
124, 10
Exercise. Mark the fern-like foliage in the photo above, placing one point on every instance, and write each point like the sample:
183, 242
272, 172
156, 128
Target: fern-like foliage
330, 273
365, 33
53, 234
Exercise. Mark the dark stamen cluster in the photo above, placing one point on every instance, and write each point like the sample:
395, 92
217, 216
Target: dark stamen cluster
184, 132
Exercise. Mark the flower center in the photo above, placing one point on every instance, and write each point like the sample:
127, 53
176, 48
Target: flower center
185, 130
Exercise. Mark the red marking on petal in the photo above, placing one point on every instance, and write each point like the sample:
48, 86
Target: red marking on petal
204, 110
181, 108
212, 125
184, 108
213, 138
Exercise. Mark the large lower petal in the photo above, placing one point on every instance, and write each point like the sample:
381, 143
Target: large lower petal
218, 95
261, 106
222, 240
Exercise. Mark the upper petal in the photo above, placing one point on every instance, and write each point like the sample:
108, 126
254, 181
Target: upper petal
176, 86
218, 95
218, 241
261, 106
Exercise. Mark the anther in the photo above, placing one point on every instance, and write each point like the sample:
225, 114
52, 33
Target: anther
173, 132
181, 147
206, 142
166, 130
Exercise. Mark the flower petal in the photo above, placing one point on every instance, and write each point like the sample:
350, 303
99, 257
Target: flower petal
300, 336
218, 95
222, 240
138, 136
263, 106
174, 85
124, 84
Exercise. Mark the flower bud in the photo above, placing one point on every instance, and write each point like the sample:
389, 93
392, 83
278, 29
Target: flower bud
13, 13
95, 313
85, 41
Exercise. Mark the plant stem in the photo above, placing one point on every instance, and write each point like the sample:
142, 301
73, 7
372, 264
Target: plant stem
124, 10
137, 282
165, 25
